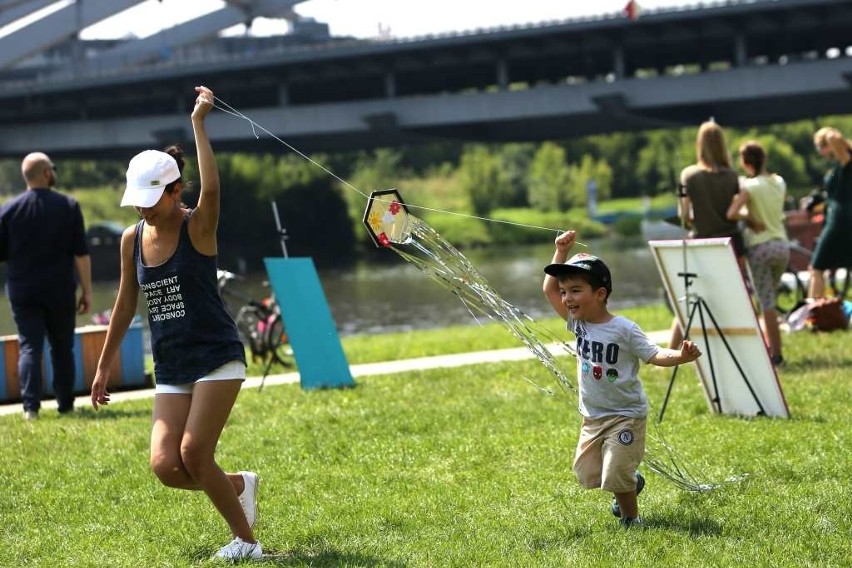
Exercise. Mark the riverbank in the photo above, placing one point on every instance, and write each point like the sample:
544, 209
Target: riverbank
388, 294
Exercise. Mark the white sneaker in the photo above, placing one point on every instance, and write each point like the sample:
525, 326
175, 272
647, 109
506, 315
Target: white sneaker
238, 549
248, 498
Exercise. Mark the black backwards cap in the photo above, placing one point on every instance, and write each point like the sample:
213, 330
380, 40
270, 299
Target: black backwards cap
584, 263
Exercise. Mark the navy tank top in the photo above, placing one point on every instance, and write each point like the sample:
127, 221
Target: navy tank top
191, 332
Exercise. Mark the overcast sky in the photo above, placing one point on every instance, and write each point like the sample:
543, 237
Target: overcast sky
364, 18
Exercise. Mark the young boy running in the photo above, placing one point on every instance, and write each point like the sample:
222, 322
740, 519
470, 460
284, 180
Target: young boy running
609, 351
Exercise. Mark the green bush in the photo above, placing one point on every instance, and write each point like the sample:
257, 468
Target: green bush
461, 232
524, 226
637, 205
103, 204
628, 225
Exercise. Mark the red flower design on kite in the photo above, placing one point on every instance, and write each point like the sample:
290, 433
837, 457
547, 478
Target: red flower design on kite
394, 207
384, 240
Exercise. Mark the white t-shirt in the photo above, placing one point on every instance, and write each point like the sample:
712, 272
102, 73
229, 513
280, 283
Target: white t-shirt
608, 358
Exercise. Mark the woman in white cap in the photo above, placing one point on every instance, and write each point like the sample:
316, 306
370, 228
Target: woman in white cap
199, 361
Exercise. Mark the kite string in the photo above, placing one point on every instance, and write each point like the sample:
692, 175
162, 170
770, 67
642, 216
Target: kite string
439, 260
234, 112
228, 109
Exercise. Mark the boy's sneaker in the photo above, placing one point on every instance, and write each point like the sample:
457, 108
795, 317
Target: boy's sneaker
628, 522
640, 485
248, 498
238, 549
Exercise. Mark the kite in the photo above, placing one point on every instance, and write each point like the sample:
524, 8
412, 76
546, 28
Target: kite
391, 225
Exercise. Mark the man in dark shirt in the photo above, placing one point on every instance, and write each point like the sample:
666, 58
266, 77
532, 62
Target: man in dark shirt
42, 240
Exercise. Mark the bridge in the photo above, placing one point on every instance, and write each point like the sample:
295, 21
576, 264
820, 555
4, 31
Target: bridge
741, 62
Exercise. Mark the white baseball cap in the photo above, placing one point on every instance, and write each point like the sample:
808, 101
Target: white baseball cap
148, 174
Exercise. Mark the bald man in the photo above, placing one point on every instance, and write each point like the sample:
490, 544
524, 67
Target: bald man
43, 241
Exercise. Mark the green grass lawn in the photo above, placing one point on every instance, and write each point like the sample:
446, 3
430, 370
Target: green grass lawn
459, 467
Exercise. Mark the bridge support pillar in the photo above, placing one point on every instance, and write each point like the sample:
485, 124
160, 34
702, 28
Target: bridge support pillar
390, 85
740, 50
502, 74
618, 64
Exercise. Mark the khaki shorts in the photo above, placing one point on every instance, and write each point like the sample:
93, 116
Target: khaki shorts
609, 451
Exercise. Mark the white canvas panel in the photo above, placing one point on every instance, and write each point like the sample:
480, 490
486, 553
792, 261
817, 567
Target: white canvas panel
718, 282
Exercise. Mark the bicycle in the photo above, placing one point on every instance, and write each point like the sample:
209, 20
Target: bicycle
259, 323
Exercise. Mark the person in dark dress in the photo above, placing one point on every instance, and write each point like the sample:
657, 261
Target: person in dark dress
834, 245
43, 242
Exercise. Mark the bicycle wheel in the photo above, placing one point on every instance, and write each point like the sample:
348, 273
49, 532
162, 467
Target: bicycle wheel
277, 342
247, 321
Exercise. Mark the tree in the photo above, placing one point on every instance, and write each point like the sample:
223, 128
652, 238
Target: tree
483, 178
311, 209
11, 181
588, 170
91, 173
516, 159
379, 170
549, 179
659, 162
619, 150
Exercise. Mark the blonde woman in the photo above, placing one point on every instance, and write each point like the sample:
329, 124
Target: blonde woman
834, 246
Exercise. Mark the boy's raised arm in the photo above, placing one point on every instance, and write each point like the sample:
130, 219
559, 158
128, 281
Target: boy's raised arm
550, 286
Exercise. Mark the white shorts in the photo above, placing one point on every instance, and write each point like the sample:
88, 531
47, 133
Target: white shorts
233, 371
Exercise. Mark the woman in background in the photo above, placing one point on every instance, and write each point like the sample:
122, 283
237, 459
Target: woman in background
834, 245
767, 246
707, 189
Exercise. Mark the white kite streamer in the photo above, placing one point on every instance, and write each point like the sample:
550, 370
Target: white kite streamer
391, 225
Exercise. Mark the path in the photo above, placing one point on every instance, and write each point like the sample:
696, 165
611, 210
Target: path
362, 370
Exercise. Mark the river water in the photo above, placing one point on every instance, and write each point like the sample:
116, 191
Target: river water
393, 295
398, 296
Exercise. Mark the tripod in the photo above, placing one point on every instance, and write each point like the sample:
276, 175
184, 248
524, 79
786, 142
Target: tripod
696, 304
699, 306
